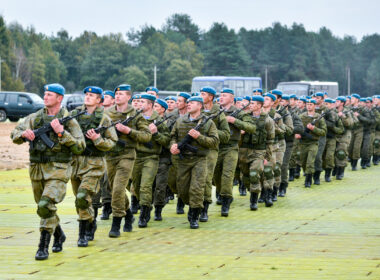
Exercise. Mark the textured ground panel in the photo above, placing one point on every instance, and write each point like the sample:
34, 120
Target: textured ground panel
331, 231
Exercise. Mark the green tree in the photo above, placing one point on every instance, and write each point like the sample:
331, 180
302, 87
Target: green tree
179, 75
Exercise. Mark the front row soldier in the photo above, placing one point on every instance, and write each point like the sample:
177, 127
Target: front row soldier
89, 166
50, 168
315, 127
191, 175
121, 158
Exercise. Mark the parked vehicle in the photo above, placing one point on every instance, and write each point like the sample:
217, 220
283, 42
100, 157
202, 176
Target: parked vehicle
71, 101
16, 105
309, 87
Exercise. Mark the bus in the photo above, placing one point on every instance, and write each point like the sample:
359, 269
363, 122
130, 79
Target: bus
241, 85
307, 88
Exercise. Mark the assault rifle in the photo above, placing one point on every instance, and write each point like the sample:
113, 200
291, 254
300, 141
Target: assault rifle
149, 144
237, 112
42, 132
306, 133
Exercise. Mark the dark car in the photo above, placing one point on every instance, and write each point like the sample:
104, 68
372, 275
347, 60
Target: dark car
16, 105
71, 101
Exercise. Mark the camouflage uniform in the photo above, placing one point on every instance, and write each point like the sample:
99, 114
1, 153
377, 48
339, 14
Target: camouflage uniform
50, 169
318, 164
376, 142
343, 141
357, 133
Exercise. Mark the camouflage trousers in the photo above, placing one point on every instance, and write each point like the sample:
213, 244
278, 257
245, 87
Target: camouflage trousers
104, 193
144, 172
365, 149
49, 188
342, 144
119, 171
308, 154
285, 162
225, 170
172, 180
329, 154
295, 158
356, 143
191, 180
212, 158
279, 156
161, 182
318, 164
376, 144
251, 164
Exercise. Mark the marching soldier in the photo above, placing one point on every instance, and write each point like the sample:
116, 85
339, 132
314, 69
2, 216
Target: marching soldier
376, 141
50, 167
172, 104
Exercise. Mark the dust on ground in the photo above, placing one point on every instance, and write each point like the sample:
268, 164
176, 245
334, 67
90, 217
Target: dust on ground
12, 156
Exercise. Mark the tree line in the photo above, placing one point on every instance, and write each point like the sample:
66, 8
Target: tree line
181, 50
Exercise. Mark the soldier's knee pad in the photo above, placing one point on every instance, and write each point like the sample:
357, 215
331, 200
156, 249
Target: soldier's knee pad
254, 177
277, 170
81, 201
268, 173
340, 154
376, 143
43, 208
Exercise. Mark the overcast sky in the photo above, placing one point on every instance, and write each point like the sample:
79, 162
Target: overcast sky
343, 17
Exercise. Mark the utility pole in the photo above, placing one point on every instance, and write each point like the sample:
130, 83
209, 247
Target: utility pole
0, 72
266, 78
348, 80
155, 75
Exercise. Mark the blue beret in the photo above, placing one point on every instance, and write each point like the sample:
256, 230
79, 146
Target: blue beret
355, 95
123, 87
321, 94
341, 98
92, 89
195, 98
227, 90
102, 98
376, 96
162, 103
276, 92
293, 96
285, 97
257, 90
369, 99
218, 99
210, 90
363, 99
247, 97
349, 97
110, 93
196, 94
271, 96
308, 97
184, 95
303, 99
326, 93
239, 99
171, 98
136, 96
151, 89
311, 101
257, 98
329, 100
148, 96
57, 88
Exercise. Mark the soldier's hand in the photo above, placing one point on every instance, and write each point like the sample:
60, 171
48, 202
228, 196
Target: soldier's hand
298, 136
28, 134
242, 132
123, 128
230, 119
174, 149
340, 114
56, 125
310, 126
194, 133
265, 162
91, 134
153, 128
356, 114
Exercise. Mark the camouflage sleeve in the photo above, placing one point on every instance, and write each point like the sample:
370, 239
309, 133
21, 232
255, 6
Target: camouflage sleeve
142, 133
377, 116
288, 123
365, 117
279, 125
339, 127
73, 137
245, 122
211, 140
107, 141
347, 120
320, 129
174, 135
271, 133
20, 128
298, 127
162, 137
223, 130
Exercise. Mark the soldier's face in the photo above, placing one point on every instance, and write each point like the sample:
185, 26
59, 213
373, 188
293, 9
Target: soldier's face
171, 105
255, 106
152, 92
310, 106
239, 104
226, 98
207, 97
268, 102
330, 105
122, 97
136, 103
194, 107
292, 102
91, 99
145, 104
159, 109
244, 102
284, 102
338, 103
319, 99
52, 99
108, 101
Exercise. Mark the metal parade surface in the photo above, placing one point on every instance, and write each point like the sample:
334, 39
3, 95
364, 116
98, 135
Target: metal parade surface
331, 231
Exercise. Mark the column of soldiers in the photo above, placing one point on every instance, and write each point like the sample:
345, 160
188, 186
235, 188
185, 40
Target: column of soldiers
182, 146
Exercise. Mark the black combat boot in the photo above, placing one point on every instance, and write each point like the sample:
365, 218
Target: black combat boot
194, 218
134, 204
157, 212
274, 193
334, 171
204, 212
291, 174
129, 219
59, 239
189, 213
308, 180
143, 219
242, 189
340, 173
180, 206
268, 198
148, 213
281, 190
115, 228
253, 201
106, 212
91, 227
316, 176
43, 247
376, 160
169, 193
261, 198
218, 198
328, 175
354, 164
297, 172
368, 162
226, 202
363, 163
82, 241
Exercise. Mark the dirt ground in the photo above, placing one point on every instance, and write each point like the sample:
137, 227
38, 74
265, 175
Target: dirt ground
12, 156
